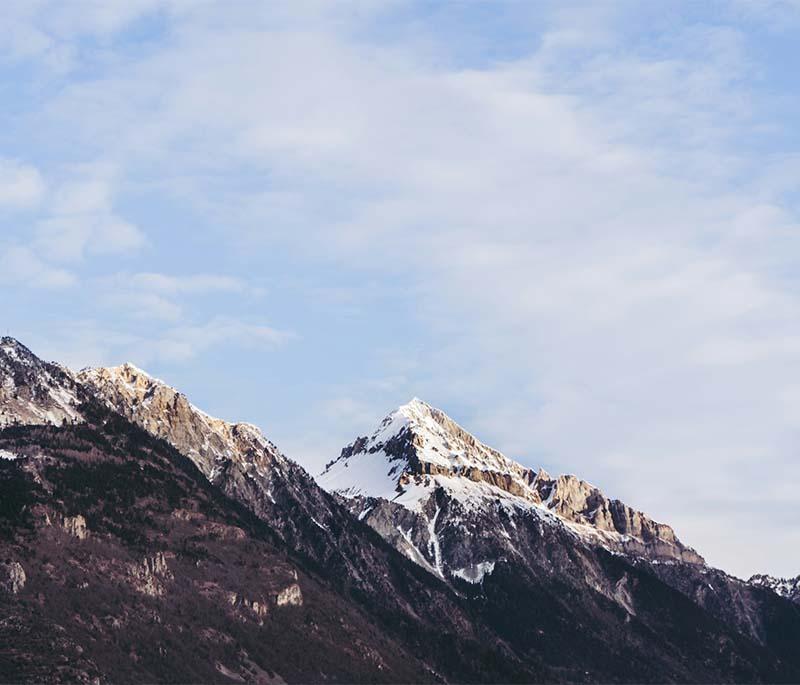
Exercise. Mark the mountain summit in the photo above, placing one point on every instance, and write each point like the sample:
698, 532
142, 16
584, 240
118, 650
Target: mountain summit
419, 455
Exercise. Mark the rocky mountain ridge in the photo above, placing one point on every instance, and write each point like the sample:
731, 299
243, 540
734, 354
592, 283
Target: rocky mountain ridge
33, 391
418, 451
143, 484
784, 587
464, 511
211, 443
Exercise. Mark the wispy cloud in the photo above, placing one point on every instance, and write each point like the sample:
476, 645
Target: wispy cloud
195, 284
88, 342
183, 343
21, 185
21, 267
81, 220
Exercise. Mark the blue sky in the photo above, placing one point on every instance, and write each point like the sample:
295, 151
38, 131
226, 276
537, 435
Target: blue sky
574, 227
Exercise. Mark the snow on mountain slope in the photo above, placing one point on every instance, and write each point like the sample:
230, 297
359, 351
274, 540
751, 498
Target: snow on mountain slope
248, 468
33, 391
417, 438
418, 455
783, 587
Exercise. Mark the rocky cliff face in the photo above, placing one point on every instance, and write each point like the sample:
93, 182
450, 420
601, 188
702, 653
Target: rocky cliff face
12, 576
418, 454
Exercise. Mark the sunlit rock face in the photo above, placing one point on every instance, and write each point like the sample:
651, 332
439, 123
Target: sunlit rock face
161, 410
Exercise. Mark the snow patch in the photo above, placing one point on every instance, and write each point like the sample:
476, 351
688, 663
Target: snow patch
476, 573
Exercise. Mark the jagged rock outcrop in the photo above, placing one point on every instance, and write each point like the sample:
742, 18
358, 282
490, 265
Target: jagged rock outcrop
211, 443
783, 587
150, 575
76, 526
610, 521
242, 604
12, 576
33, 391
290, 596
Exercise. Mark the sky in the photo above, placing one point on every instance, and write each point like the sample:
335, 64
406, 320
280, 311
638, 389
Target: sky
572, 226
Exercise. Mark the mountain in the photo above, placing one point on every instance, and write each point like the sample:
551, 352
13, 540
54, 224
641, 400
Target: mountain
248, 468
143, 540
784, 587
123, 561
238, 460
122, 564
466, 512
418, 455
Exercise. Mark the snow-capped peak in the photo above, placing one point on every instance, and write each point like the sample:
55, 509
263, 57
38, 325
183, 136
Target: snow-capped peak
416, 440
785, 587
443, 442
417, 451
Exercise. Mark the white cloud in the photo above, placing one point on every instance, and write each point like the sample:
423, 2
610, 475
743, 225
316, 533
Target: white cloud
183, 343
83, 343
142, 305
20, 266
21, 185
196, 284
156, 296
82, 222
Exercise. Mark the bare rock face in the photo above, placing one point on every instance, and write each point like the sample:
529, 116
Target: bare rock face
76, 526
243, 605
290, 596
12, 577
610, 521
149, 575
162, 411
